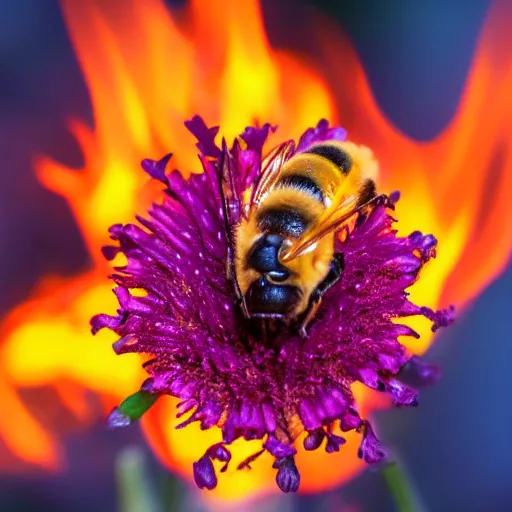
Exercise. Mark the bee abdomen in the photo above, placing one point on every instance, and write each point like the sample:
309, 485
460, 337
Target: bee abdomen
303, 183
283, 221
334, 154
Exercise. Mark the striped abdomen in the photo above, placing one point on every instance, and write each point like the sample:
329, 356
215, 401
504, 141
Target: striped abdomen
338, 156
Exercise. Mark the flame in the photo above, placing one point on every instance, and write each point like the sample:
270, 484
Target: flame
149, 70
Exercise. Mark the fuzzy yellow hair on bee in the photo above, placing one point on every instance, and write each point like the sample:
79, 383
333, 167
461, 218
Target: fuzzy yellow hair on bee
285, 253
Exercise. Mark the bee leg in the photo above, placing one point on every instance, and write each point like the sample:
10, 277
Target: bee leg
243, 307
334, 275
331, 279
310, 314
231, 275
241, 300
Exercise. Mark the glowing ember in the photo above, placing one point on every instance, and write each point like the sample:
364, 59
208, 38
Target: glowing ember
142, 69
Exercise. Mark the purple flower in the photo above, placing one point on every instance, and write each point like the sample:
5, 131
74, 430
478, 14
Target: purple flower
371, 449
205, 352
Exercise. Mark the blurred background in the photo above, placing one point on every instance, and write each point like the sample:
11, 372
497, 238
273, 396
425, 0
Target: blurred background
400, 75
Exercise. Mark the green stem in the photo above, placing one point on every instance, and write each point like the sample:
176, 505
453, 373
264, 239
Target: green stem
401, 489
135, 490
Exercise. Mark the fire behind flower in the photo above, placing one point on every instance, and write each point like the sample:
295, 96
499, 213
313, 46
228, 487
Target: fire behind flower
276, 387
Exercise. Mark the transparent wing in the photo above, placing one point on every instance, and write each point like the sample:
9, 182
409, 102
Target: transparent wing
231, 207
271, 169
341, 212
231, 200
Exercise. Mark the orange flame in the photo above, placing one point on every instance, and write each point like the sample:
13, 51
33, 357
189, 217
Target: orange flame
147, 72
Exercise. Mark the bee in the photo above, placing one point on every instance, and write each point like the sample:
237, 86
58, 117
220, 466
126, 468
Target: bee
282, 256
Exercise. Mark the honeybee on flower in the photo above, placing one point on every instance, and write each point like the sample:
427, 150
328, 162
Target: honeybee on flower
282, 238
272, 285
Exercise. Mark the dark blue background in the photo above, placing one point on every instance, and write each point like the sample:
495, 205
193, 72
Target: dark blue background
457, 444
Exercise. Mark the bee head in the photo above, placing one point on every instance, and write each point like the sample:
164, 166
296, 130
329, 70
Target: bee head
269, 295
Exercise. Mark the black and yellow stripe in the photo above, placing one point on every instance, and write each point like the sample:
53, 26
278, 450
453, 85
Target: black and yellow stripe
334, 154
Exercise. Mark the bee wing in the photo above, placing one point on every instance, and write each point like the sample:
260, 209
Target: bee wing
233, 203
232, 209
230, 193
271, 169
332, 220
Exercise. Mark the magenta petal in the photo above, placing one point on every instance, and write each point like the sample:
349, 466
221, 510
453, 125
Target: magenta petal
425, 373
219, 452
334, 443
371, 449
278, 449
205, 136
314, 439
156, 168
401, 394
204, 473
321, 132
440, 318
